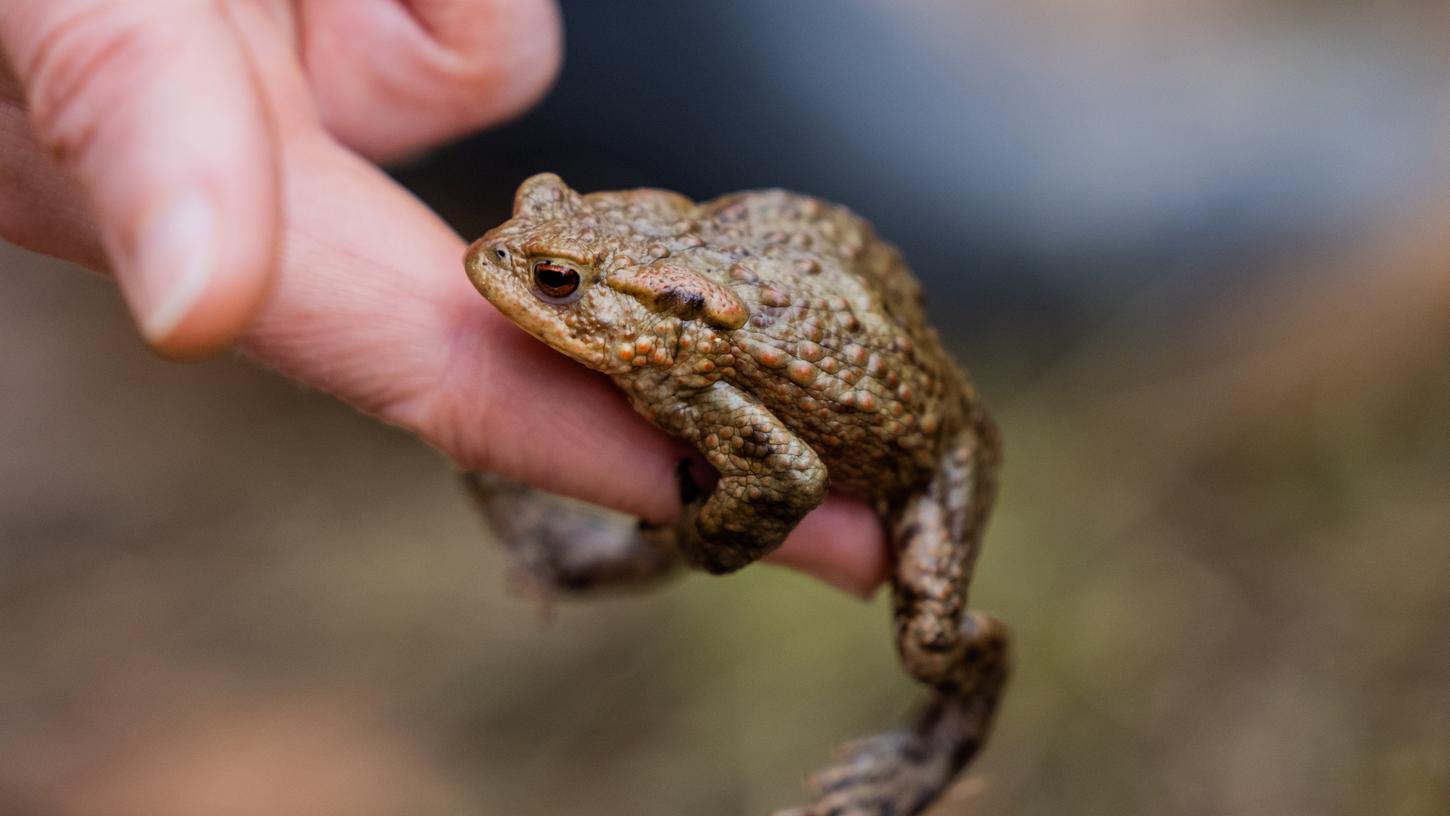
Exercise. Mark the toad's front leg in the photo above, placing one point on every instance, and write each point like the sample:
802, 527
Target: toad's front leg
769, 477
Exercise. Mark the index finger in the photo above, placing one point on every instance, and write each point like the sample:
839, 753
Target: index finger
373, 306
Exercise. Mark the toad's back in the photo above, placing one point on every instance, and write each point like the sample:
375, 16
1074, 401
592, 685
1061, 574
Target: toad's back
837, 344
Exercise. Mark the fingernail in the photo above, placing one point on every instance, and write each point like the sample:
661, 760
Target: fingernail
847, 582
855, 587
173, 264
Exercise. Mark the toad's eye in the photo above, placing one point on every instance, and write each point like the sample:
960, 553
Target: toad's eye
556, 283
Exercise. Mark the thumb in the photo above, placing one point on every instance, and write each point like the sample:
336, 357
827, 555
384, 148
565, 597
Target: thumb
152, 106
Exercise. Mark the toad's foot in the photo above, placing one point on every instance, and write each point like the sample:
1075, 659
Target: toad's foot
902, 772
560, 545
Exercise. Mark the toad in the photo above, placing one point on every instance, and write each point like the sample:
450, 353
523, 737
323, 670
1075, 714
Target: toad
779, 336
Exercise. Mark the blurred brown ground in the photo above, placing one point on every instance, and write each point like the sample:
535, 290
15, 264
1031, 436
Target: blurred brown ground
1223, 547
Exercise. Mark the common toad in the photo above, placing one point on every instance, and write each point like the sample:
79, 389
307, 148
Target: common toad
786, 342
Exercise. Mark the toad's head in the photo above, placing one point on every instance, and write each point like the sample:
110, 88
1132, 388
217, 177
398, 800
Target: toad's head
593, 276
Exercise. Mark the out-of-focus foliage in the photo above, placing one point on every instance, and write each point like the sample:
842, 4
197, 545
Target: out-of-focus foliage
1222, 546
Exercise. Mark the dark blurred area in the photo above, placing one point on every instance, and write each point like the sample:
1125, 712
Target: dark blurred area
1197, 256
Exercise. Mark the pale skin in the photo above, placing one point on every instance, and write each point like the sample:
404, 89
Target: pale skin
216, 158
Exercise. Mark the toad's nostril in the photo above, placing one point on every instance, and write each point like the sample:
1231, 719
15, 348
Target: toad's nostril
477, 253
484, 253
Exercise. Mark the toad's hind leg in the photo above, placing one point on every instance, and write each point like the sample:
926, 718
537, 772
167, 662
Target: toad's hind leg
561, 545
961, 656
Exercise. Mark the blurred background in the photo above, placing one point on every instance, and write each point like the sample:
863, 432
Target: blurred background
1197, 256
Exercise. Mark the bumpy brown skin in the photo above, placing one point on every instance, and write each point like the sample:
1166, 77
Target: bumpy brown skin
778, 335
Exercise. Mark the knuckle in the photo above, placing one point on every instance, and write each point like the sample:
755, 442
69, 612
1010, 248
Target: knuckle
80, 68
519, 38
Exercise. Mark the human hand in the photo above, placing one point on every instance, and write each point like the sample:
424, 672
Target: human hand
209, 155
